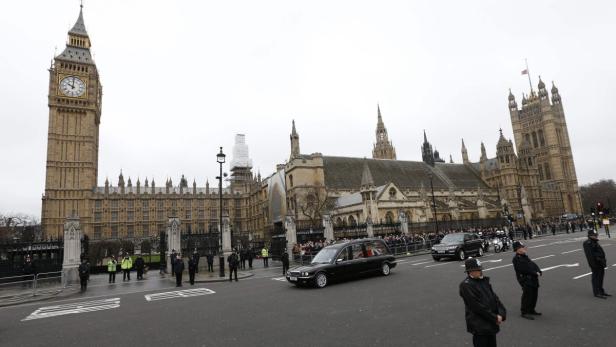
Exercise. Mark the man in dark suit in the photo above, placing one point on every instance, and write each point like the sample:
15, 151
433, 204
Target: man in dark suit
178, 269
597, 262
527, 274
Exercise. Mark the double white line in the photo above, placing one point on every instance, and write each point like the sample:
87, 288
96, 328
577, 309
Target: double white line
179, 294
80, 307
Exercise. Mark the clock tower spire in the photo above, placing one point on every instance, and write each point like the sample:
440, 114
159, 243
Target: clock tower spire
74, 100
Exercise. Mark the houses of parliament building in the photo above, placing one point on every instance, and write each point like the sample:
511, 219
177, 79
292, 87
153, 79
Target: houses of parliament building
531, 177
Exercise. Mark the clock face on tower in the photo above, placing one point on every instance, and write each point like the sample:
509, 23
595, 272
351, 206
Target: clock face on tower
72, 86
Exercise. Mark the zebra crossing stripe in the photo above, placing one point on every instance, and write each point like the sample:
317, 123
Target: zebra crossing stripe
281, 279
80, 307
179, 294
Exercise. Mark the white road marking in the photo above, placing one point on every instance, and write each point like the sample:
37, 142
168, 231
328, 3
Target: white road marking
488, 261
179, 294
547, 256
575, 250
425, 262
281, 279
547, 244
497, 267
562, 265
434, 264
79, 307
580, 276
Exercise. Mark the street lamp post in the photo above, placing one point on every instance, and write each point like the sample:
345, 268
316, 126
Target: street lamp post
433, 205
220, 158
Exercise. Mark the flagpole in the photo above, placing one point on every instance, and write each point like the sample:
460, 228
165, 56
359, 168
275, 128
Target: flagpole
528, 74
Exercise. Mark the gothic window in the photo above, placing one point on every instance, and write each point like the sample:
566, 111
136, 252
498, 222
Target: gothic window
174, 203
130, 231
160, 204
130, 204
392, 193
114, 204
541, 138
145, 229
291, 181
201, 214
98, 204
527, 137
98, 216
507, 159
338, 222
131, 215
145, 204
389, 217
540, 172
188, 214
535, 144
352, 221
201, 203
188, 204
114, 216
146, 215
530, 162
548, 174
114, 232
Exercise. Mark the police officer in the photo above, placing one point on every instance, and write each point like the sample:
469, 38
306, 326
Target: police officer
285, 262
192, 268
178, 269
233, 261
84, 274
484, 311
596, 260
527, 274
265, 256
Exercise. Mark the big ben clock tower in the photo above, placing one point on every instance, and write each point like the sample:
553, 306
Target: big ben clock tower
72, 146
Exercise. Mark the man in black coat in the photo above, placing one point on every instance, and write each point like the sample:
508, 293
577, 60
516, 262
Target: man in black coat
250, 255
285, 262
84, 274
484, 311
527, 274
243, 258
140, 266
178, 269
192, 268
210, 262
597, 262
233, 261
196, 257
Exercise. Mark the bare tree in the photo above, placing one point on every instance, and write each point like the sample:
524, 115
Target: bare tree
315, 204
17, 225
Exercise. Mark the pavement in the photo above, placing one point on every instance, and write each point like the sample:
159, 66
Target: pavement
418, 305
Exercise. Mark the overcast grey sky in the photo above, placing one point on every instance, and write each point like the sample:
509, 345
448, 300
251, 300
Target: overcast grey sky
180, 78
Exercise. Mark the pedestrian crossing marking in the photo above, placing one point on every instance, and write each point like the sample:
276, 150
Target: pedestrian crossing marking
80, 307
281, 279
179, 294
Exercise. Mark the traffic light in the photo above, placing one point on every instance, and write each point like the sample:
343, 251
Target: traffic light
599, 207
592, 210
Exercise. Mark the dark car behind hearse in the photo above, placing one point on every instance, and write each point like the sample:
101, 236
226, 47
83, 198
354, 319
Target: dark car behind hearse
458, 246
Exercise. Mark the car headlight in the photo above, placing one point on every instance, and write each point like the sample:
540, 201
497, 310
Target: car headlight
451, 247
304, 274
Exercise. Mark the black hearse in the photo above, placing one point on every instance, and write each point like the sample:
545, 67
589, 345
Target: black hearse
344, 260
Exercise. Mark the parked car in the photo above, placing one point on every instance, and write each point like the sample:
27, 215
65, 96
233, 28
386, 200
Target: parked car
344, 260
458, 246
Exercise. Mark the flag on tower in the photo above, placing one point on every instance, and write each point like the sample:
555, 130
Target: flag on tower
525, 72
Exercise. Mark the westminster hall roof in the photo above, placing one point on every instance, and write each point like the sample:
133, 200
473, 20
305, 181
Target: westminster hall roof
345, 173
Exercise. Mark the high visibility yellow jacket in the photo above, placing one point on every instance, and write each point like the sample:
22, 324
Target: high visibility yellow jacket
127, 263
112, 265
264, 252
